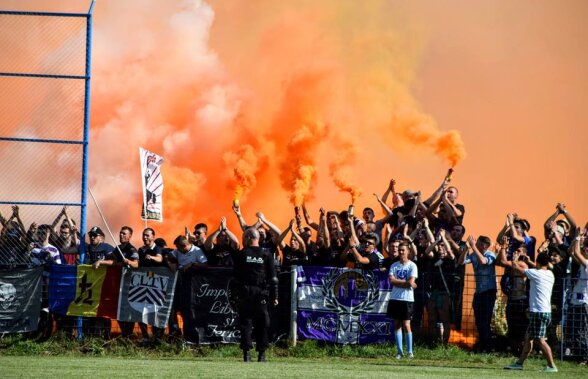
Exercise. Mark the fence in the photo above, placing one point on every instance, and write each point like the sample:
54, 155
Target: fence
44, 127
436, 312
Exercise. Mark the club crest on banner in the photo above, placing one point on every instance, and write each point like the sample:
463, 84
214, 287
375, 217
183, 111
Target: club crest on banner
147, 291
350, 292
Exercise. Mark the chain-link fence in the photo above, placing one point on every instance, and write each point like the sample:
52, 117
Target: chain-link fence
44, 115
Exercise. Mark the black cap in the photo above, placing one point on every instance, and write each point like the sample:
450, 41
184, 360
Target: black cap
97, 231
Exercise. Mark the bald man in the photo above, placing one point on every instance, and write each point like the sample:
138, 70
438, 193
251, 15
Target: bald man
256, 283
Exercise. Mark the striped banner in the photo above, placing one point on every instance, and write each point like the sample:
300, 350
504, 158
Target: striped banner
84, 291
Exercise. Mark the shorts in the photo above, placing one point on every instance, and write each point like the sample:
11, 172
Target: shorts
538, 323
400, 310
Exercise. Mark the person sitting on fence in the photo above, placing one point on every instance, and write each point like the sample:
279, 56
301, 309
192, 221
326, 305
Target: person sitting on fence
402, 276
221, 245
295, 252
485, 296
542, 280
514, 286
439, 305
577, 320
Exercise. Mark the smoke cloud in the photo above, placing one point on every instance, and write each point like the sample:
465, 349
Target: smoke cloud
248, 100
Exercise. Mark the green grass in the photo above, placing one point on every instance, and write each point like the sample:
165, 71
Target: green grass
95, 358
109, 367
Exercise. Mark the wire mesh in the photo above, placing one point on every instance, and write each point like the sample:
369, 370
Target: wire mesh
42, 109
42, 45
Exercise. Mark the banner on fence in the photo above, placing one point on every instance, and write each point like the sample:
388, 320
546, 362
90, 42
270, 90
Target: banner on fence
345, 306
146, 295
84, 291
207, 313
20, 300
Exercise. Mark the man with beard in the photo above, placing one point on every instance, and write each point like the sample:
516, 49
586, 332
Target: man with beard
256, 284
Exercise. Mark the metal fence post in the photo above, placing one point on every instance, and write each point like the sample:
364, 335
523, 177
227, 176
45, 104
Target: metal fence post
293, 305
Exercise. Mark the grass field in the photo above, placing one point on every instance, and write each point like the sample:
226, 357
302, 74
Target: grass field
115, 367
58, 357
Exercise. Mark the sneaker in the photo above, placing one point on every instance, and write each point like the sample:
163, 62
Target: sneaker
398, 356
410, 356
514, 366
261, 356
550, 369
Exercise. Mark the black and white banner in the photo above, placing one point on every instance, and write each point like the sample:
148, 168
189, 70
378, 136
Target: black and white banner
20, 300
146, 295
152, 185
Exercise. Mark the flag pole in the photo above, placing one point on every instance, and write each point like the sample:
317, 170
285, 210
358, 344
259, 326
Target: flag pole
104, 220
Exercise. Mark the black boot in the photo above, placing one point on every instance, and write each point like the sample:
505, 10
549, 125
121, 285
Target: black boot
246, 356
261, 356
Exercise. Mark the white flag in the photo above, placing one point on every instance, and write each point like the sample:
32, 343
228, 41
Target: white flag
152, 185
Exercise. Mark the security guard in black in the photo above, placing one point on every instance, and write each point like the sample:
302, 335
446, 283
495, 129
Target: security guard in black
256, 284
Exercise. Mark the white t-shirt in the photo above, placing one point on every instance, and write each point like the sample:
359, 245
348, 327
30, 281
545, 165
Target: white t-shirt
403, 272
580, 291
195, 255
541, 287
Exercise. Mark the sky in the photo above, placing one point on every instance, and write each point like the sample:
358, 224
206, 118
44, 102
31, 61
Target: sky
279, 102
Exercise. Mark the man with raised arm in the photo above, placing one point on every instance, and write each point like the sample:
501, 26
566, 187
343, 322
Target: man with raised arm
542, 280
221, 245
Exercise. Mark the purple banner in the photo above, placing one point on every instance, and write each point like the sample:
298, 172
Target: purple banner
343, 305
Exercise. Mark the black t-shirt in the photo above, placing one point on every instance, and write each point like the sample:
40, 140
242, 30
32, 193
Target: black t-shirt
221, 256
293, 257
144, 251
96, 253
376, 261
128, 250
442, 280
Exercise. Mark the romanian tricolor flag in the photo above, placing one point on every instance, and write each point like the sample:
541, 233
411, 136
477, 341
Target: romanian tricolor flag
84, 291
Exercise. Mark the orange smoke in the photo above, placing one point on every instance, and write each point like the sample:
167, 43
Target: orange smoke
254, 108
345, 156
245, 166
419, 130
297, 170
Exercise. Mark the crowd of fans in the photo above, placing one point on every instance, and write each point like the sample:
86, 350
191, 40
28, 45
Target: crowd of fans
432, 228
